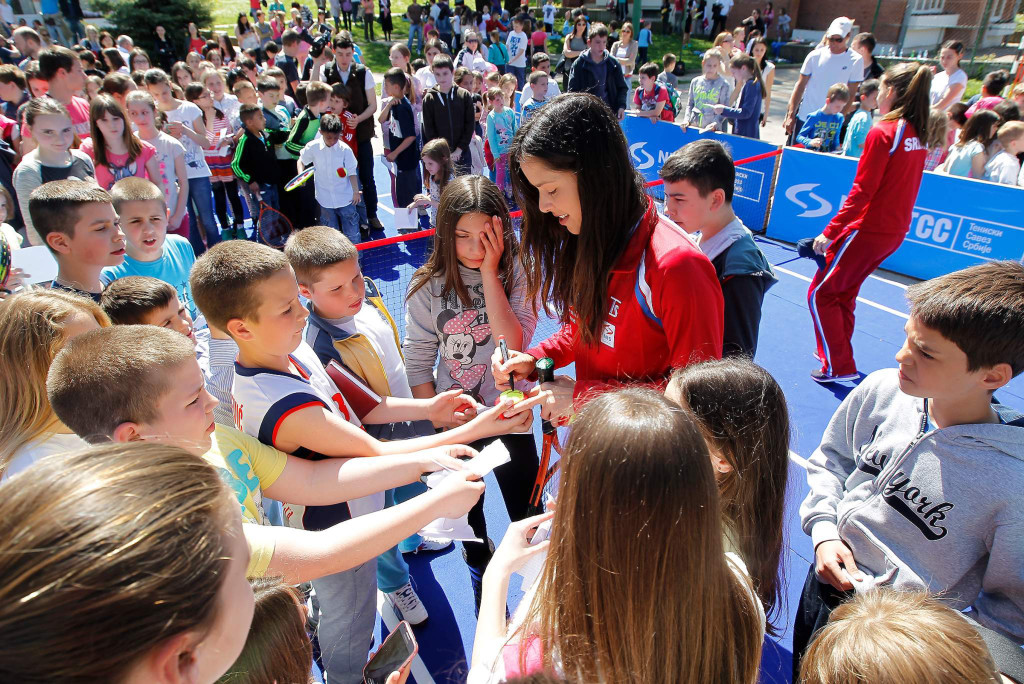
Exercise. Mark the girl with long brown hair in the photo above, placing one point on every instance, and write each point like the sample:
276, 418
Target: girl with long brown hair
149, 586
469, 294
117, 152
636, 586
875, 217
278, 649
741, 411
34, 326
635, 296
438, 171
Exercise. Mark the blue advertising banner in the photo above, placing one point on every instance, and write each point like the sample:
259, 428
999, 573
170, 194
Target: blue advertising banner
650, 142
957, 222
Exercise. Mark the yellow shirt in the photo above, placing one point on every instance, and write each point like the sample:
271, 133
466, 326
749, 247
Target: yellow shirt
247, 466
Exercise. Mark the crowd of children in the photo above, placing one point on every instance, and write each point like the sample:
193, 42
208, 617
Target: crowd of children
238, 436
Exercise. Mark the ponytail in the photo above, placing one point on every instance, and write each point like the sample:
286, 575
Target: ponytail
741, 61
911, 84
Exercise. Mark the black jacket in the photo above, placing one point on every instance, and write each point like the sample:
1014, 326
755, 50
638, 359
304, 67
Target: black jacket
254, 160
584, 79
449, 116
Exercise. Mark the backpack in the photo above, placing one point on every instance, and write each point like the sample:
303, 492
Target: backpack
673, 97
673, 105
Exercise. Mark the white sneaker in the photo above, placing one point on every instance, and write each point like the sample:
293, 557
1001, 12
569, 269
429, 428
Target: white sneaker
408, 604
432, 545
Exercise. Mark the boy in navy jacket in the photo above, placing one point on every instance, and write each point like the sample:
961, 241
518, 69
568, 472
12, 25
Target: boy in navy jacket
699, 180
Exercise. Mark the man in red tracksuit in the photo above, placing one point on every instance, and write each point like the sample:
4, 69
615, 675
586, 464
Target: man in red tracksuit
869, 227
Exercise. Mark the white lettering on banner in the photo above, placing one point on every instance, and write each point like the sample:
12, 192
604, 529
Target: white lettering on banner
960, 234
928, 227
749, 184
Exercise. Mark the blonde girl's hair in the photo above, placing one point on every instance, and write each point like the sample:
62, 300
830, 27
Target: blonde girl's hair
713, 53
8, 202
465, 195
912, 85
892, 637
628, 26
722, 38
437, 150
410, 87
31, 334
637, 477
278, 649
938, 126
105, 554
100, 107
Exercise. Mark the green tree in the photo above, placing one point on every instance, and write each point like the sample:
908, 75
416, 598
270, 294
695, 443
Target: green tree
139, 19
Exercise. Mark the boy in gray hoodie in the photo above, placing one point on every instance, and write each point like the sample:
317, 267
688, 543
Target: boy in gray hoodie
918, 478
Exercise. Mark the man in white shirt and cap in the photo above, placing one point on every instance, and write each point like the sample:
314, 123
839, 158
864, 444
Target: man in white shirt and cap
830, 63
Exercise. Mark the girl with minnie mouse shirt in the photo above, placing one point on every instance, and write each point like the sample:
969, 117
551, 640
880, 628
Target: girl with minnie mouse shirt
471, 291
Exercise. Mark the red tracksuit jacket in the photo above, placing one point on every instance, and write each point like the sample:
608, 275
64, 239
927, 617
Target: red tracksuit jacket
664, 311
885, 188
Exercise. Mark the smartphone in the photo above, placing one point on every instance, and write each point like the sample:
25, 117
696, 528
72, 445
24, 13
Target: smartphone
396, 652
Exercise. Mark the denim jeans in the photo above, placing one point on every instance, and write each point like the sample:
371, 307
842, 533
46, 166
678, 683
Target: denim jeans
392, 570
364, 165
417, 31
268, 193
200, 210
345, 219
519, 73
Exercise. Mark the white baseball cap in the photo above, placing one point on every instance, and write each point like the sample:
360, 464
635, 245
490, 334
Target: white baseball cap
840, 26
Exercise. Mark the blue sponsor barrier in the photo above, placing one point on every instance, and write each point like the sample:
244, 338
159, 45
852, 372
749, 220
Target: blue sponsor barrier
650, 142
957, 222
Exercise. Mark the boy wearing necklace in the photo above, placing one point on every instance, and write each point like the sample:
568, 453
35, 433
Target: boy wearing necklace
82, 231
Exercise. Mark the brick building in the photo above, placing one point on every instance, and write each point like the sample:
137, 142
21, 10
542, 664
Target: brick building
924, 23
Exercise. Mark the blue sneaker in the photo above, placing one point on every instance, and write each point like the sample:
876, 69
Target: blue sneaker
822, 377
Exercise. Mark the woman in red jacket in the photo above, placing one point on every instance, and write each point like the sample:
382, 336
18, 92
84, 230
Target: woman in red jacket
875, 218
636, 297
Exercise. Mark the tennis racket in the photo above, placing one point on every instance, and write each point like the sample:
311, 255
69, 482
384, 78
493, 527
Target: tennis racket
274, 227
299, 180
546, 472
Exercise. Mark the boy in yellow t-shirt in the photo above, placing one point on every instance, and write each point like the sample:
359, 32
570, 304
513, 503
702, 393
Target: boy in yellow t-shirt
134, 382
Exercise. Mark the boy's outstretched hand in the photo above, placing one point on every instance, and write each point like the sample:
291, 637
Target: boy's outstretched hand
493, 422
830, 557
452, 408
458, 493
445, 457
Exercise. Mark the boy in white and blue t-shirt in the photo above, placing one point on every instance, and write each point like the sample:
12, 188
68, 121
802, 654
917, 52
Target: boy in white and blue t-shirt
283, 396
349, 324
149, 250
548, 11
516, 43
822, 128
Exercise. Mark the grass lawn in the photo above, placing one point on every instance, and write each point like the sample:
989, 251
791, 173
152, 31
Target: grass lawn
375, 54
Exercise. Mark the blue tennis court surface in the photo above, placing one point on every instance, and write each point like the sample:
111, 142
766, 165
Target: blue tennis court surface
785, 348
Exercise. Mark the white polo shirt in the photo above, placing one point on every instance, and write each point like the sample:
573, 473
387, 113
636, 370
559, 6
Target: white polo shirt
334, 166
